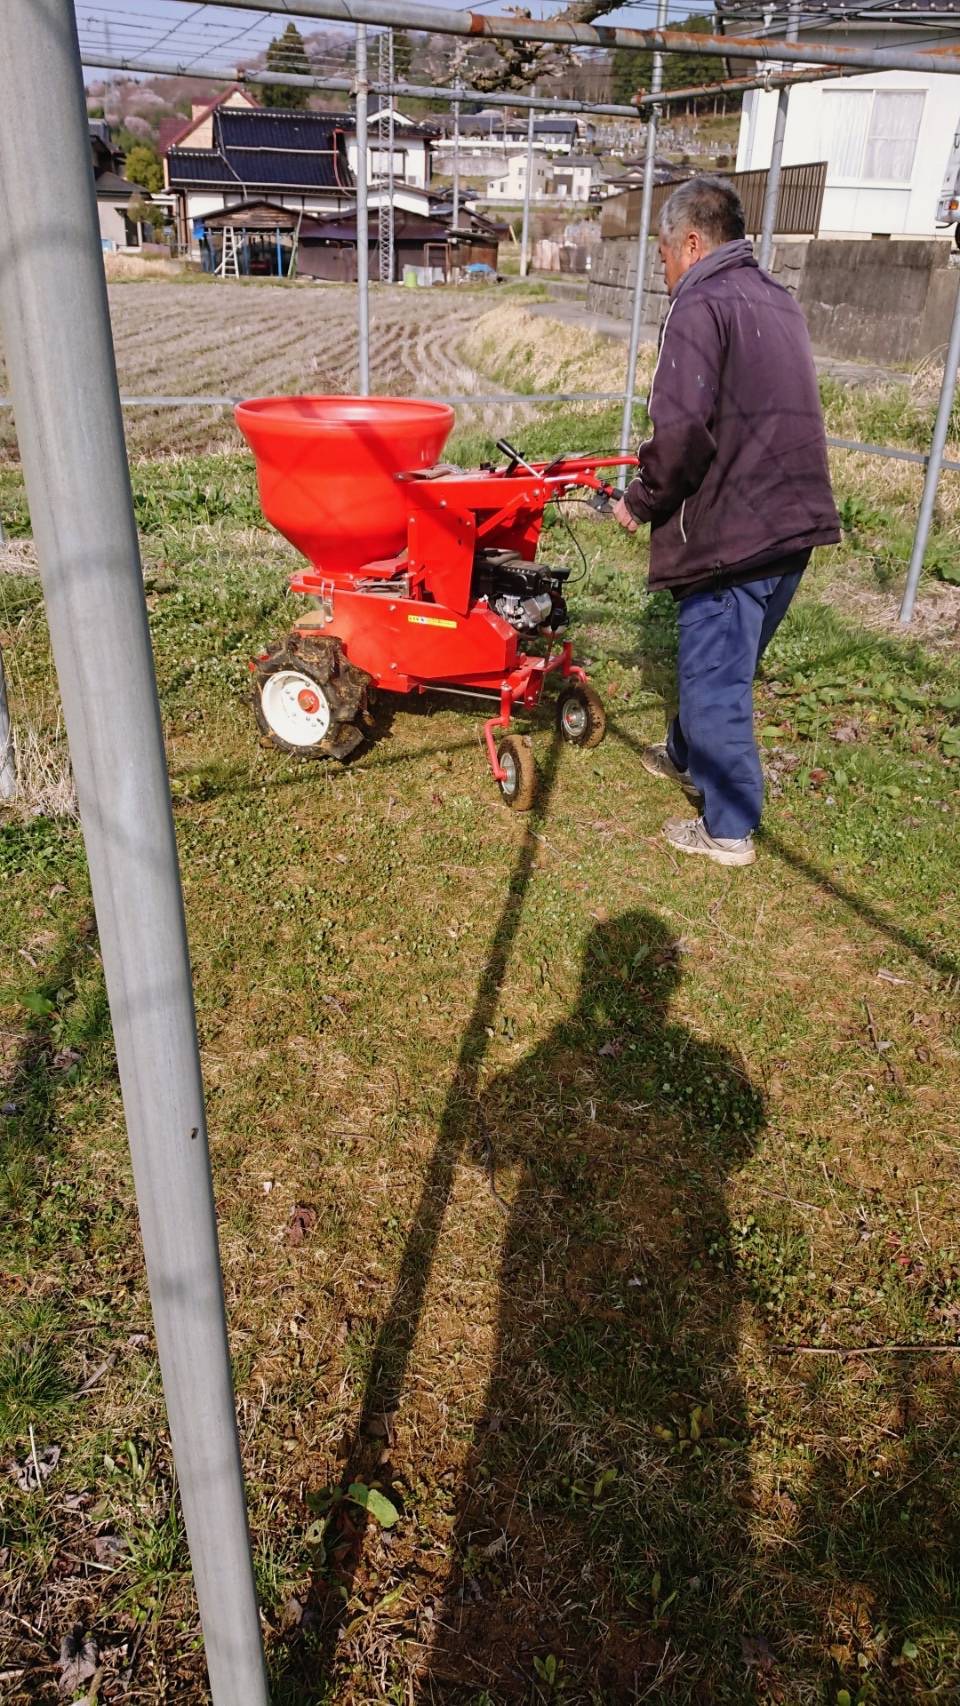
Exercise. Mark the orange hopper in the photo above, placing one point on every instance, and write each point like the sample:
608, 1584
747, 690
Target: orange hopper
327, 466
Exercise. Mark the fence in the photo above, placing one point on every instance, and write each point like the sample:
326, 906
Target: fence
799, 203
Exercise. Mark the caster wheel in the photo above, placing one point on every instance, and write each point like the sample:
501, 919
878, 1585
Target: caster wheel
581, 718
519, 785
306, 698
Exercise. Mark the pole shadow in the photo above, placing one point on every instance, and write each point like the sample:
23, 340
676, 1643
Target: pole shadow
328, 1605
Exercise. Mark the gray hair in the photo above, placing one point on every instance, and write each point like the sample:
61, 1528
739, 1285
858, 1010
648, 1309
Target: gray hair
709, 206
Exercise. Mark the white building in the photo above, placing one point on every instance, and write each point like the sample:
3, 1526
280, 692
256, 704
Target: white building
886, 135
568, 178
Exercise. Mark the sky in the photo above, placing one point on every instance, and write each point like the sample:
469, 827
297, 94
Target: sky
179, 31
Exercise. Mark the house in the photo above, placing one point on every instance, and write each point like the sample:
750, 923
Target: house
304, 161
425, 243
412, 145
197, 130
270, 239
114, 192
296, 159
886, 135
564, 178
489, 141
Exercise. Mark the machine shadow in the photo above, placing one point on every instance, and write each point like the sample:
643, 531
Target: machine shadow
329, 1606
602, 1536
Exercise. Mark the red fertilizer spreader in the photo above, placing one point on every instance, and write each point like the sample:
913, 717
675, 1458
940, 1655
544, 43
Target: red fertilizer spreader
423, 577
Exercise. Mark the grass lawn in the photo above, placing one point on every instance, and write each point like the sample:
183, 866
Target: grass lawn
597, 1209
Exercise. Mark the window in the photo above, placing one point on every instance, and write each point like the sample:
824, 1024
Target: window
132, 232
894, 128
871, 135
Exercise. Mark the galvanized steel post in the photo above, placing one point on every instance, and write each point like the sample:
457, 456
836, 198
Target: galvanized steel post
8, 767
643, 244
455, 216
361, 88
527, 190
932, 476
56, 334
771, 194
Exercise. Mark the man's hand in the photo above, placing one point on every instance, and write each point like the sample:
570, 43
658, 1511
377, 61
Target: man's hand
622, 514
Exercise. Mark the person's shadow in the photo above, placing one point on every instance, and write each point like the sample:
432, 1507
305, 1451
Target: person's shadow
602, 1533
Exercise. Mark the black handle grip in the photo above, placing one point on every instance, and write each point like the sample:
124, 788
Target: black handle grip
513, 456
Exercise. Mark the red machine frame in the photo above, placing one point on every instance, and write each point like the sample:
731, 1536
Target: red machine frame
436, 635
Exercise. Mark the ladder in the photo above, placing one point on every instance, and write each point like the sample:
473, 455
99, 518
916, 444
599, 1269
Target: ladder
229, 256
385, 209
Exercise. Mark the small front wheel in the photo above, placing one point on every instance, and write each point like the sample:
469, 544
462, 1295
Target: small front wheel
581, 718
518, 784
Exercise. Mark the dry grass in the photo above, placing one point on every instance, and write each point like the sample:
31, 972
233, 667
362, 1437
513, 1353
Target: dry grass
123, 268
536, 353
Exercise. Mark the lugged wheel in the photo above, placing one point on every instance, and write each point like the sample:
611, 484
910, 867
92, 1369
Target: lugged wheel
519, 785
307, 697
581, 718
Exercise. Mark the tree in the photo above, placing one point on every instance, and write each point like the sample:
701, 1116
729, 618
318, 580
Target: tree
147, 213
631, 71
287, 53
402, 55
143, 167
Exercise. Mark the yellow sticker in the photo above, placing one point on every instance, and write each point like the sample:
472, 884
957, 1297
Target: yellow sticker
432, 621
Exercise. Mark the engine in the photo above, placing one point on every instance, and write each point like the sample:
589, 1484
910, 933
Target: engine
527, 595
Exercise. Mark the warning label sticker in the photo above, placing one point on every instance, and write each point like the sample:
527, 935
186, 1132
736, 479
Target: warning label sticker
432, 621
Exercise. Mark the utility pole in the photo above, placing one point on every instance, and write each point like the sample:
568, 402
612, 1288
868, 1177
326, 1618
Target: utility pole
527, 184
643, 241
56, 334
771, 194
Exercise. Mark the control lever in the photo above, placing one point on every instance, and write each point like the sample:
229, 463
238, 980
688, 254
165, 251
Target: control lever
516, 460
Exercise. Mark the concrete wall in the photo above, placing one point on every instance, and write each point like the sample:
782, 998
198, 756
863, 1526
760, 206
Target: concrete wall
884, 302
881, 302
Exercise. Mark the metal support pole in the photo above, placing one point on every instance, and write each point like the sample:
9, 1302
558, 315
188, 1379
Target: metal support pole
56, 334
455, 216
771, 194
519, 26
391, 173
527, 192
361, 88
8, 767
643, 244
932, 476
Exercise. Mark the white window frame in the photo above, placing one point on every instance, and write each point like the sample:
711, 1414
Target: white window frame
859, 180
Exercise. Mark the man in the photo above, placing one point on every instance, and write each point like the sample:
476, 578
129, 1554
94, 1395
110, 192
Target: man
735, 484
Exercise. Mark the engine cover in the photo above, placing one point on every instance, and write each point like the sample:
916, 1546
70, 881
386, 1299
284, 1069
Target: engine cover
527, 595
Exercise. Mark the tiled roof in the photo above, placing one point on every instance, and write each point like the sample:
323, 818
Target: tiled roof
266, 128
262, 149
199, 166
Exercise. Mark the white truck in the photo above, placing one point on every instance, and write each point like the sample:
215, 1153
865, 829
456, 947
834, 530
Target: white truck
948, 206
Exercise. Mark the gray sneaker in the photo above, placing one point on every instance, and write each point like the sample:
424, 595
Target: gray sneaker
691, 835
657, 760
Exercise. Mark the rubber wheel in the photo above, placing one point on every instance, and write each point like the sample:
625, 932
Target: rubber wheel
307, 698
581, 718
519, 786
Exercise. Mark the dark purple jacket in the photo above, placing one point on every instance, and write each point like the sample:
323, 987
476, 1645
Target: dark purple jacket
735, 474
